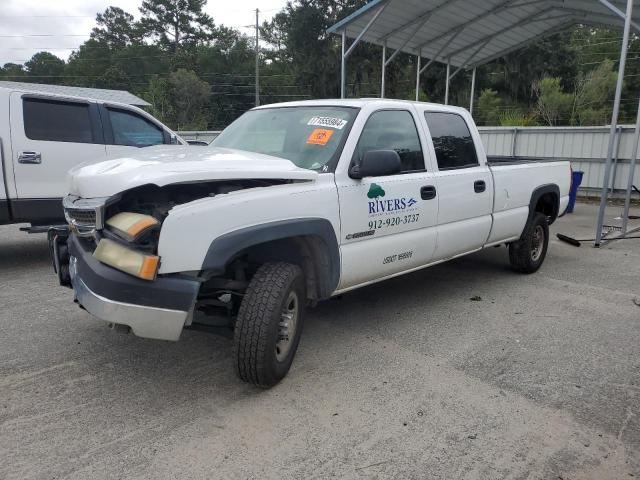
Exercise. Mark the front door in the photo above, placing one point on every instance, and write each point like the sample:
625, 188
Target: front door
49, 137
387, 223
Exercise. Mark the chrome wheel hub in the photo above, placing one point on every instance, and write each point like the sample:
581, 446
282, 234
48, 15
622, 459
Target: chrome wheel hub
537, 243
287, 326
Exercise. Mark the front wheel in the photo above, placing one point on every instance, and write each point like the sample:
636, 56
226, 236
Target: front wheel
269, 324
527, 254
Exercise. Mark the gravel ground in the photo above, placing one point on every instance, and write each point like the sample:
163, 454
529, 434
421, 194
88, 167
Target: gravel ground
410, 378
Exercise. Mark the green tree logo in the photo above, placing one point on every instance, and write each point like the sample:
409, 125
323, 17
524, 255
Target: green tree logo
375, 191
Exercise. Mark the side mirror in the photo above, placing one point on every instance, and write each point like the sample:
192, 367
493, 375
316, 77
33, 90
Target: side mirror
377, 163
174, 139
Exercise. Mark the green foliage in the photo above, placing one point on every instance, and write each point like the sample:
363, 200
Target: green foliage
553, 105
488, 107
593, 94
176, 24
188, 96
422, 96
117, 28
44, 67
516, 118
156, 95
14, 73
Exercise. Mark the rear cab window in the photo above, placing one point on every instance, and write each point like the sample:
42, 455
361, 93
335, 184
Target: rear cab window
452, 141
57, 121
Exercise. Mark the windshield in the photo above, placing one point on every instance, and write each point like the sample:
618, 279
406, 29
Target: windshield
308, 136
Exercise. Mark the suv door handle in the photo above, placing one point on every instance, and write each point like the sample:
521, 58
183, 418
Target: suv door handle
428, 192
29, 157
479, 186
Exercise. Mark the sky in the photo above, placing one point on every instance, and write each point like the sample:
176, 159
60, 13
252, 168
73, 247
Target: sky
59, 26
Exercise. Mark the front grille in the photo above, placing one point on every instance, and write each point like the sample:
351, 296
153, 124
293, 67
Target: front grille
85, 214
82, 217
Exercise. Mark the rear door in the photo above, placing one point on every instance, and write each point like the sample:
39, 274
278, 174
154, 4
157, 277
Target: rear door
49, 136
126, 130
465, 185
387, 223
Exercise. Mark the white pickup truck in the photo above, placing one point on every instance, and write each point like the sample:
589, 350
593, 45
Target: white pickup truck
293, 203
43, 135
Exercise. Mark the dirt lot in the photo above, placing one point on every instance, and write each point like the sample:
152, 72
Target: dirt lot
406, 379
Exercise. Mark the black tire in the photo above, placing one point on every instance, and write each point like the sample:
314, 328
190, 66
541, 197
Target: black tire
260, 326
527, 254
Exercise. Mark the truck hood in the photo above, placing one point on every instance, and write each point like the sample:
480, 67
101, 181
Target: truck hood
166, 165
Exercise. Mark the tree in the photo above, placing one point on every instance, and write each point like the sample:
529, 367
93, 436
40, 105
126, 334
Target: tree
553, 104
116, 28
593, 93
88, 63
113, 78
177, 23
489, 107
13, 72
44, 67
188, 96
157, 95
299, 36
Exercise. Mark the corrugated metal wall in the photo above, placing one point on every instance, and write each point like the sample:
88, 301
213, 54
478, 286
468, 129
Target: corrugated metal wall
585, 147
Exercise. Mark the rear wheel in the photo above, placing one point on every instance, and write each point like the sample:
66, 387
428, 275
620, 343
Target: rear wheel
527, 254
269, 324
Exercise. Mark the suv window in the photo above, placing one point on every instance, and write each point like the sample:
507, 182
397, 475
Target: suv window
56, 121
132, 130
393, 130
452, 141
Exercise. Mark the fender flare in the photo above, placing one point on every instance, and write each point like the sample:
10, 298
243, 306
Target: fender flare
538, 193
226, 247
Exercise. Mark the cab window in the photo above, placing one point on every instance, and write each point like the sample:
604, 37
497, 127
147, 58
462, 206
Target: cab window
133, 130
392, 130
452, 141
57, 121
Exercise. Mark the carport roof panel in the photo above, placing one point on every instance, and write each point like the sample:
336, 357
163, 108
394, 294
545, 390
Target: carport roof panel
472, 32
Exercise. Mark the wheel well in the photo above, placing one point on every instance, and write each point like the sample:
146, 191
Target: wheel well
310, 252
546, 200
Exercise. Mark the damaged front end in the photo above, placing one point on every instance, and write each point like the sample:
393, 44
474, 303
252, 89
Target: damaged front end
109, 256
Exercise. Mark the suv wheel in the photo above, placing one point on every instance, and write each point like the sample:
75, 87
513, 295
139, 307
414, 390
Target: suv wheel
527, 254
269, 324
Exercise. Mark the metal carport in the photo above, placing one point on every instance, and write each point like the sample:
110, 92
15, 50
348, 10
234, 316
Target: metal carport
464, 34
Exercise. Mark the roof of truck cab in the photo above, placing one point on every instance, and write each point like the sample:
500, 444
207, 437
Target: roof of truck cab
361, 102
98, 94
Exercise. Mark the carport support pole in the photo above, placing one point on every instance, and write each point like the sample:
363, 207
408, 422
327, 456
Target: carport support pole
384, 67
343, 66
473, 90
614, 122
632, 170
418, 62
446, 90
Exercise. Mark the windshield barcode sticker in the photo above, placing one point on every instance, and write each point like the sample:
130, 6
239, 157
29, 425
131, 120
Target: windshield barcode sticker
331, 122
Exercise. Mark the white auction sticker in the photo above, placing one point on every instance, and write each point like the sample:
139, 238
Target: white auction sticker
331, 122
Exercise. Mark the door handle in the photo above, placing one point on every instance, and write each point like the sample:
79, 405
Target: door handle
29, 157
428, 192
479, 186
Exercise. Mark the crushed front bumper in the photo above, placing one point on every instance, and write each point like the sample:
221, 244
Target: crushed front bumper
157, 309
